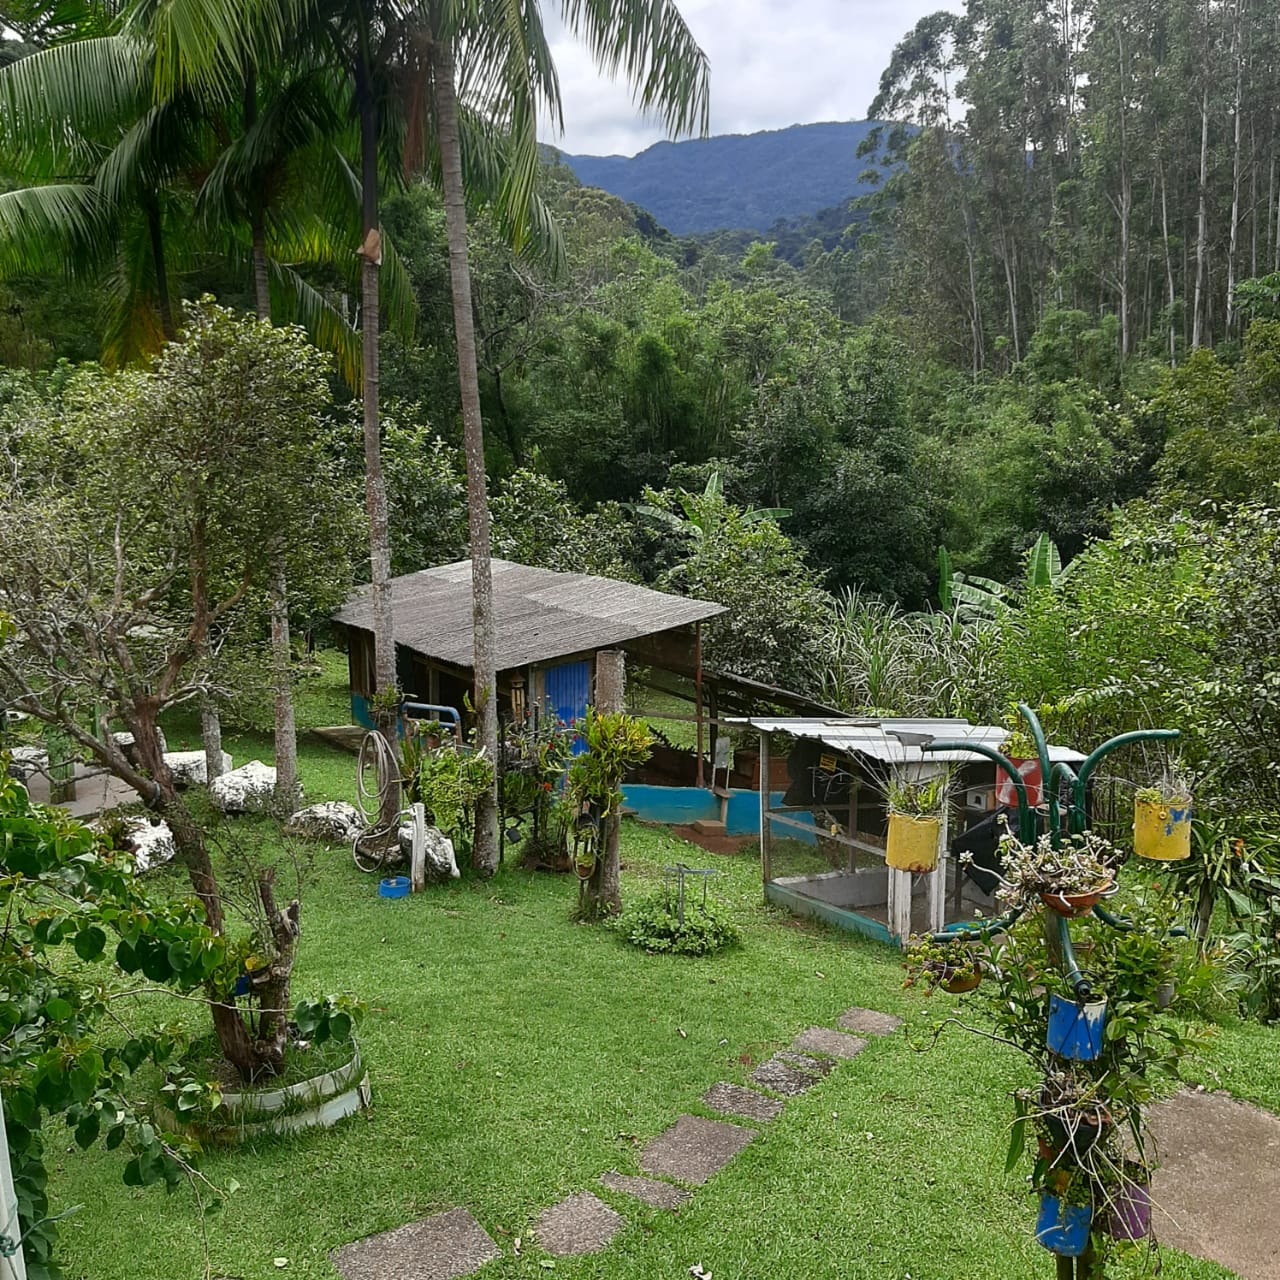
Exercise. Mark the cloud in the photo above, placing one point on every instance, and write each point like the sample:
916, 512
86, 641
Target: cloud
772, 65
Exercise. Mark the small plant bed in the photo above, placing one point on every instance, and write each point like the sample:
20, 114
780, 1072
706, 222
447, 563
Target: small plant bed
655, 923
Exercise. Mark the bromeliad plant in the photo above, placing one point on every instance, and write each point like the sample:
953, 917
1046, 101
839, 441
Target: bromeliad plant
916, 797
615, 742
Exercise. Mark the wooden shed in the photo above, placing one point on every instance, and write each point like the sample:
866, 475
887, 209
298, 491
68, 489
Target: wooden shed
549, 628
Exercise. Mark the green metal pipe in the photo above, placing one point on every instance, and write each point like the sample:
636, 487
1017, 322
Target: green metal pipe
1114, 744
1026, 817
1042, 752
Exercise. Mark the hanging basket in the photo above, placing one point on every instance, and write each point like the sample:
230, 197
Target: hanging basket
1129, 1213
1161, 831
913, 843
1075, 1030
1072, 905
959, 984
1063, 1229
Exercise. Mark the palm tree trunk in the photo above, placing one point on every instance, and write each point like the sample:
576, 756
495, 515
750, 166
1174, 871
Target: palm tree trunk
155, 231
485, 849
384, 650
288, 792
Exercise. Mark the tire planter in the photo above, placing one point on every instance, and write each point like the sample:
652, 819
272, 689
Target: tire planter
1075, 1030
1063, 1229
318, 1103
1161, 831
1129, 1214
1072, 905
913, 843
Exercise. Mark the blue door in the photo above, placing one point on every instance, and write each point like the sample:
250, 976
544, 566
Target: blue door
567, 691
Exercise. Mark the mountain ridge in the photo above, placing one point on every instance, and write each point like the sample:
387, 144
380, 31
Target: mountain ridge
736, 181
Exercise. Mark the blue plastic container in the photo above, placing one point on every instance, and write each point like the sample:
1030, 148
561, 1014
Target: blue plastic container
242, 985
1063, 1228
1075, 1030
394, 887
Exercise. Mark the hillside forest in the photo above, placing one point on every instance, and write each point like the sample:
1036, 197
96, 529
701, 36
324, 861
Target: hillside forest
1014, 434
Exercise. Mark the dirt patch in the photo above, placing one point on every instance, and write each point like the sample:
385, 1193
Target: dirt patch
716, 844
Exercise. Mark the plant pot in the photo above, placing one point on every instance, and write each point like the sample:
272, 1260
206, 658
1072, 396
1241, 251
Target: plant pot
1063, 1229
316, 1103
1075, 1131
1075, 1030
1072, 905
1032, 780
957, 986
913, 843
584, 868
1129, 1213
1161, 830
1166, 994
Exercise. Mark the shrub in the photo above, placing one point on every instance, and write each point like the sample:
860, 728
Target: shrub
653, 923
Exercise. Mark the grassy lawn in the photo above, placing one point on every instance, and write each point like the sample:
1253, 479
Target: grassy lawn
516, 1056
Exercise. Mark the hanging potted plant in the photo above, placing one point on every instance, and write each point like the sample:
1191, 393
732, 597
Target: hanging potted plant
1020, 750
1070, 877
1070, 1117
1066, 1215
915, 822
1162, 820
1128, 1205
1075, 1028
953, 965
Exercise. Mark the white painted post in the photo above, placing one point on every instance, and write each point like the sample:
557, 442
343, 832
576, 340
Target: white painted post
14, 1268
766, 828
900, 904
938, 876
418, 856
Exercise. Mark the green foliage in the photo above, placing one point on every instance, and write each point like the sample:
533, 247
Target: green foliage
450, 780
615, 742
334, 1018
653, 924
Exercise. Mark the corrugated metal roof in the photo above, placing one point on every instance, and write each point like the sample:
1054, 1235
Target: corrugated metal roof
897, 741
538, 614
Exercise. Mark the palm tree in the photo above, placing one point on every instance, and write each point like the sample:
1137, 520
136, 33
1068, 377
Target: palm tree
495, 52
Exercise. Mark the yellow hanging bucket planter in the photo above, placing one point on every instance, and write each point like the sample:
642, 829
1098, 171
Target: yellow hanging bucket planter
913, 843
1162, 829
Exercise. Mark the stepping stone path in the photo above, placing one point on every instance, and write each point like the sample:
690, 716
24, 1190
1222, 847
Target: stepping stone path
835, 1044
450, 1245
867, 1022
661, 1195
790, 1074
581, 1224
1218, 1183
693, 1149
443, 1247
734, 1100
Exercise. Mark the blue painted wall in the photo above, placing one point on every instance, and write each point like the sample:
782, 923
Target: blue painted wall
681, 805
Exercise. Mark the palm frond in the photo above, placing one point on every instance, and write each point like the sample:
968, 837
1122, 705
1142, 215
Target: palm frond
59, 225
294, 301
650, 45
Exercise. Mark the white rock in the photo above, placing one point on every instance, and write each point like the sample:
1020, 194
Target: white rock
248, 789
333, 821
441, 864
26, 761
125, 741
151, 845
190, 769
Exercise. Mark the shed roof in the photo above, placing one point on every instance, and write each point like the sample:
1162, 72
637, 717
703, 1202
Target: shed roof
898, 741
538, 614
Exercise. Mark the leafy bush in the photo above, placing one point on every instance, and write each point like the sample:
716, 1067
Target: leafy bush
653, 923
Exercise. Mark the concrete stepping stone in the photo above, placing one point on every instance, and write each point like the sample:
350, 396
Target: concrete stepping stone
661, 1195
869, 1022
445, 1246
1215, 1191
834, 1044
581, 1224
734, 1100
693, 1149
791, 1074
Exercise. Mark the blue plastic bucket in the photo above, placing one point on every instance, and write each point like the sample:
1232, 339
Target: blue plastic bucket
394, 887
1075, 1030
242, 985
1063, 1228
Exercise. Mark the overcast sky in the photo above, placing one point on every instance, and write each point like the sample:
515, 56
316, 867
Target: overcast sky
772, 65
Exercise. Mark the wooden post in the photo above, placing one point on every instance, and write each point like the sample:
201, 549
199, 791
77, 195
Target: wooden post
14, 1268
418, 858
766, 833
603, 893
697, 693
938, 876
